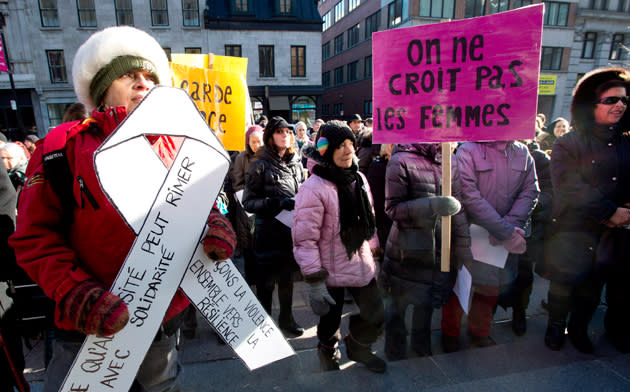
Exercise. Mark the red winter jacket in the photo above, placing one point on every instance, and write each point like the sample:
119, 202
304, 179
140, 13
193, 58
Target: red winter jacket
97, 242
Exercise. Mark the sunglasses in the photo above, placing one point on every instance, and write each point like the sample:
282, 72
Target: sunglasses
283, 130
613, 100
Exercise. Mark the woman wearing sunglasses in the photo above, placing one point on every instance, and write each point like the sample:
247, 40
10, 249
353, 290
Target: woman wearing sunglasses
589, 237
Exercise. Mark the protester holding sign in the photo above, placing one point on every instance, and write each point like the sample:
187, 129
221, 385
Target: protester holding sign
270, 187
411, 270
333, 234
588, 239
70, 238
499, 193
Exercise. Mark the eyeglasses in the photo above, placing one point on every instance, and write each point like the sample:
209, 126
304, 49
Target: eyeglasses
613, 100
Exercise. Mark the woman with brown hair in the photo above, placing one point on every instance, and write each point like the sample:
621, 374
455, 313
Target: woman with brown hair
271, 184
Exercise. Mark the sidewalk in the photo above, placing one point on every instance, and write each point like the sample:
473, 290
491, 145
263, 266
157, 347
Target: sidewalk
513, 364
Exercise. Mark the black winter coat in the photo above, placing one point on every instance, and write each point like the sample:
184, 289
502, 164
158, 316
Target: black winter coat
542, 213
269, 180
413, 245
590, 171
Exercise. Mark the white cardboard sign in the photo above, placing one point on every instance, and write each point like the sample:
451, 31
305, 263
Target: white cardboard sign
167, 209
223, 297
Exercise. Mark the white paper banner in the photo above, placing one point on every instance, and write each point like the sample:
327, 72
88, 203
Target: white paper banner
224, 298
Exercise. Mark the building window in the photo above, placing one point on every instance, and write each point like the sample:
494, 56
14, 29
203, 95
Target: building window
396, 12
233, 50
284, 7
601, 5
521, 3
551, 58
192, 50
55, 113
556, 14
367, 108
190, 12
497, 6
475, 8
622, 6
326, 51
340, 10
326, 109
339, 44
352, 4
338, 76
124, 13
326, 79
367, 67
241, 6
87, 13
371, 24
48, 13
298, 61
620, 47
168, 53
159, 13
266, 67
56, 66
353, 71
353, 35
338, 109
326, 21
438, 8
588, 48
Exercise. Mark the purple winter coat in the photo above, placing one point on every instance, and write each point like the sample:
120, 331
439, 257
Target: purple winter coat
414, 174
499, 193
317, 245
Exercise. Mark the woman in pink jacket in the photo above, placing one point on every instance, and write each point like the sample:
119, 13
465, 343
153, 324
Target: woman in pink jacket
333, 237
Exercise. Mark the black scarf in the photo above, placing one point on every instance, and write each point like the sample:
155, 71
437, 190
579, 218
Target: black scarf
355, 211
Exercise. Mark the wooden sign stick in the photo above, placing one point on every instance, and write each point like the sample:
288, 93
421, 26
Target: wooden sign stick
446, 220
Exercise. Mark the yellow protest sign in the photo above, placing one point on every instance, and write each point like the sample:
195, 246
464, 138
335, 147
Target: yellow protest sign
217, 86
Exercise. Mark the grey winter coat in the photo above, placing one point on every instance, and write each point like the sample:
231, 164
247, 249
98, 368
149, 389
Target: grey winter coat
499, 192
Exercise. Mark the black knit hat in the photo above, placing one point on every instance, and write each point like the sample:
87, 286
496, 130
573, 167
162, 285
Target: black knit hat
273, 124
585, 94
330, 137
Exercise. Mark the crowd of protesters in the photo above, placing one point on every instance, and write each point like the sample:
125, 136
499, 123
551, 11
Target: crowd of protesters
366, 222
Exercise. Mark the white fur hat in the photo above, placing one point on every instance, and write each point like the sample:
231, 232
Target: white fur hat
108, 44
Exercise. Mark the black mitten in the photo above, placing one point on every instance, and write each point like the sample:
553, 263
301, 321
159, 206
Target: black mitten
445, 205
287, 204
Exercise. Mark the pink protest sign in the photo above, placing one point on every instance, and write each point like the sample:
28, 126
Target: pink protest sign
467, 80
3, 62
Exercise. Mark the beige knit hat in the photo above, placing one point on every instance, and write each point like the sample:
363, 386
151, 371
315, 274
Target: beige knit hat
109, 54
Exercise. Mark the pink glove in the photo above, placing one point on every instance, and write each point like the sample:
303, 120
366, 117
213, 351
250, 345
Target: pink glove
516, 243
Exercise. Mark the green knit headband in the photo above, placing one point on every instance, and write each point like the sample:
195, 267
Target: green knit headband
116, 68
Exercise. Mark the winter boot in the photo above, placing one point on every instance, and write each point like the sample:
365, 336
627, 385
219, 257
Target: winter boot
421, 343
450, 344
519, 322
554, 336
362, 353
395, 346
328, 357
578, 335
